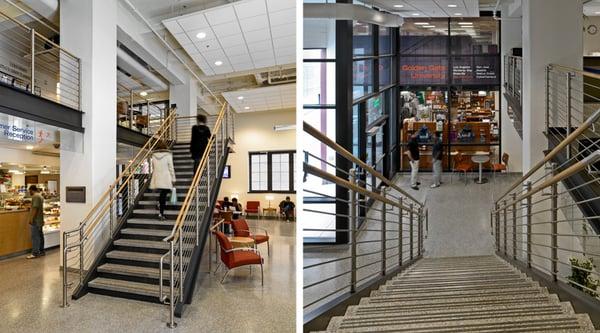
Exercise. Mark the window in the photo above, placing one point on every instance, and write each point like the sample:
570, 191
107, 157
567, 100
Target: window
272, 171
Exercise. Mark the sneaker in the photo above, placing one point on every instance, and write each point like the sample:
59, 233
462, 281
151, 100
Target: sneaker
42, 254
31, 256
161, 217
418, 183
434, 185
416, 188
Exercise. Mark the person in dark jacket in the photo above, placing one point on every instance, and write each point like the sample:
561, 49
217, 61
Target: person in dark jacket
200, 136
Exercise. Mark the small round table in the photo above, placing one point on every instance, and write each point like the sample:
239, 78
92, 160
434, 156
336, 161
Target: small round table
480, 159
237, 242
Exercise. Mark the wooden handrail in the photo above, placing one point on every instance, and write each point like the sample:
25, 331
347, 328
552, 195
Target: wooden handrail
198, 174
342, 151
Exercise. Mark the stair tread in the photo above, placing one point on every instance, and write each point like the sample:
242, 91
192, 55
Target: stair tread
141, 271
142, 243
169, 222
136, 256
149, 232
154, 211
139, 288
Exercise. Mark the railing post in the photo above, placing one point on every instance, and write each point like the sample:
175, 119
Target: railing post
172, 323
497, 227
411, 230
420, 232
569, 106
505, 222
528, 205
400, 232
514, 77
33, 61
383, 232
110, 221
181, 264
554, 226
547, 99
197, 203
81, 239
65, 302
514, 226
353, 227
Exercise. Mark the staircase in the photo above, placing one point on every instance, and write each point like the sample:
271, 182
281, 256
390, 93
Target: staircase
462, 294
130, 268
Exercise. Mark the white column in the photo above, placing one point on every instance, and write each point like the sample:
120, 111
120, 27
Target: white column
551, 34
512, 144
88, 30
185, 96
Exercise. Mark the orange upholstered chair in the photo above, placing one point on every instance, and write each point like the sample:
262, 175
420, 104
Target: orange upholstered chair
252, 207
462, 164
241, 229
236, 257
496, 167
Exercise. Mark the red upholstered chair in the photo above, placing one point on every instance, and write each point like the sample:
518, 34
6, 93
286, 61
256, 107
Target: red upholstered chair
499, 167
252, 207
241, 229
236, 257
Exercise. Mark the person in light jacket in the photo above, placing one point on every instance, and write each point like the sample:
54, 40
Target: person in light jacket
163, 175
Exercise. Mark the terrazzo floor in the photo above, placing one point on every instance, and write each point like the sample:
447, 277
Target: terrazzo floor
30, 295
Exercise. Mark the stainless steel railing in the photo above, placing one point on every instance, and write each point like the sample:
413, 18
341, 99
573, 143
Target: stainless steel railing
34, 63
187, 231
81, 246
550, 218
385, 227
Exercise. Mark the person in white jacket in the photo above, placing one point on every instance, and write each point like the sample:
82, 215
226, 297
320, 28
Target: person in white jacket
163, 175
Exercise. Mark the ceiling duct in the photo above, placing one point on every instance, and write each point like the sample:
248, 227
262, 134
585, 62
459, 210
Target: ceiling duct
344, 11
134, 68
276, 77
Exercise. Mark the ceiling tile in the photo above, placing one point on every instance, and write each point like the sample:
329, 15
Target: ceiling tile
265, 45
284, 30
227, 29
231, 40
277, 5
208, 45
207, 30
195, 21
173, 26
183, 39
258, 35
255, 23
250, 8
220, 15
236, 50
289, 41
283, 16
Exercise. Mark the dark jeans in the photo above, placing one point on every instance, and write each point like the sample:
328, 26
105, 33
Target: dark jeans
289, 213
162, 200
196, 164
37, 240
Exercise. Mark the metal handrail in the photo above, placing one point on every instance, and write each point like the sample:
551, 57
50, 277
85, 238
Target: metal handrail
197, 202
103, 209
568, 140
340, 150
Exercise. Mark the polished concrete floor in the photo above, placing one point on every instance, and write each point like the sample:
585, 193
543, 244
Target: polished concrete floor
459, 213
30, 295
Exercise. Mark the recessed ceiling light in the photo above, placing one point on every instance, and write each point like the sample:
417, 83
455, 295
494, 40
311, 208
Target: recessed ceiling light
465, 23
415, 14
399, 6
201, 35
597, 13
421, 23
29, 147
246, 108
452, 6
240, 97
143, 94
218, 63
428, 26
457, 14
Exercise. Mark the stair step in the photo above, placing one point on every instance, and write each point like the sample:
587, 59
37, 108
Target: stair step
146, 232
115, 285
151, 222
136, 256
154, 203
149, 211
138, 243
130, 270
156, 195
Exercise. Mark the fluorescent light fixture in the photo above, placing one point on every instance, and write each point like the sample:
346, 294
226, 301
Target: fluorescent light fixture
15, 171
246, 108
398, 6
218, 63
452, 6
482, 93
428, 26
29, 147
143, 94
415, 14
465, 23
45, 171
457, 14
421, 23
597, 13
201, 35
240, 97
289, 127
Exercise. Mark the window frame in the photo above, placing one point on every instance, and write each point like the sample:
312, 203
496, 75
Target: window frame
270, 154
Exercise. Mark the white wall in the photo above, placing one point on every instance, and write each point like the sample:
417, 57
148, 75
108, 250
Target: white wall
254, 132
8, 155
512, 144
591, 43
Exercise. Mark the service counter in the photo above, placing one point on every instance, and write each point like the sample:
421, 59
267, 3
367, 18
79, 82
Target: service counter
15, 234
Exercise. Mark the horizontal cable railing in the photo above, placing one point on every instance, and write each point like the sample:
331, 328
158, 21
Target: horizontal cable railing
513, 76
382, 227
82, 245
34, 63
188, 230
550, 218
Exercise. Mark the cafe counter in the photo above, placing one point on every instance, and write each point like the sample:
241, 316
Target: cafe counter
15, 233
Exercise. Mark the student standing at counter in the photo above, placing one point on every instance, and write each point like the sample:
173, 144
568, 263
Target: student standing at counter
413, 155
36, 221
436, 156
